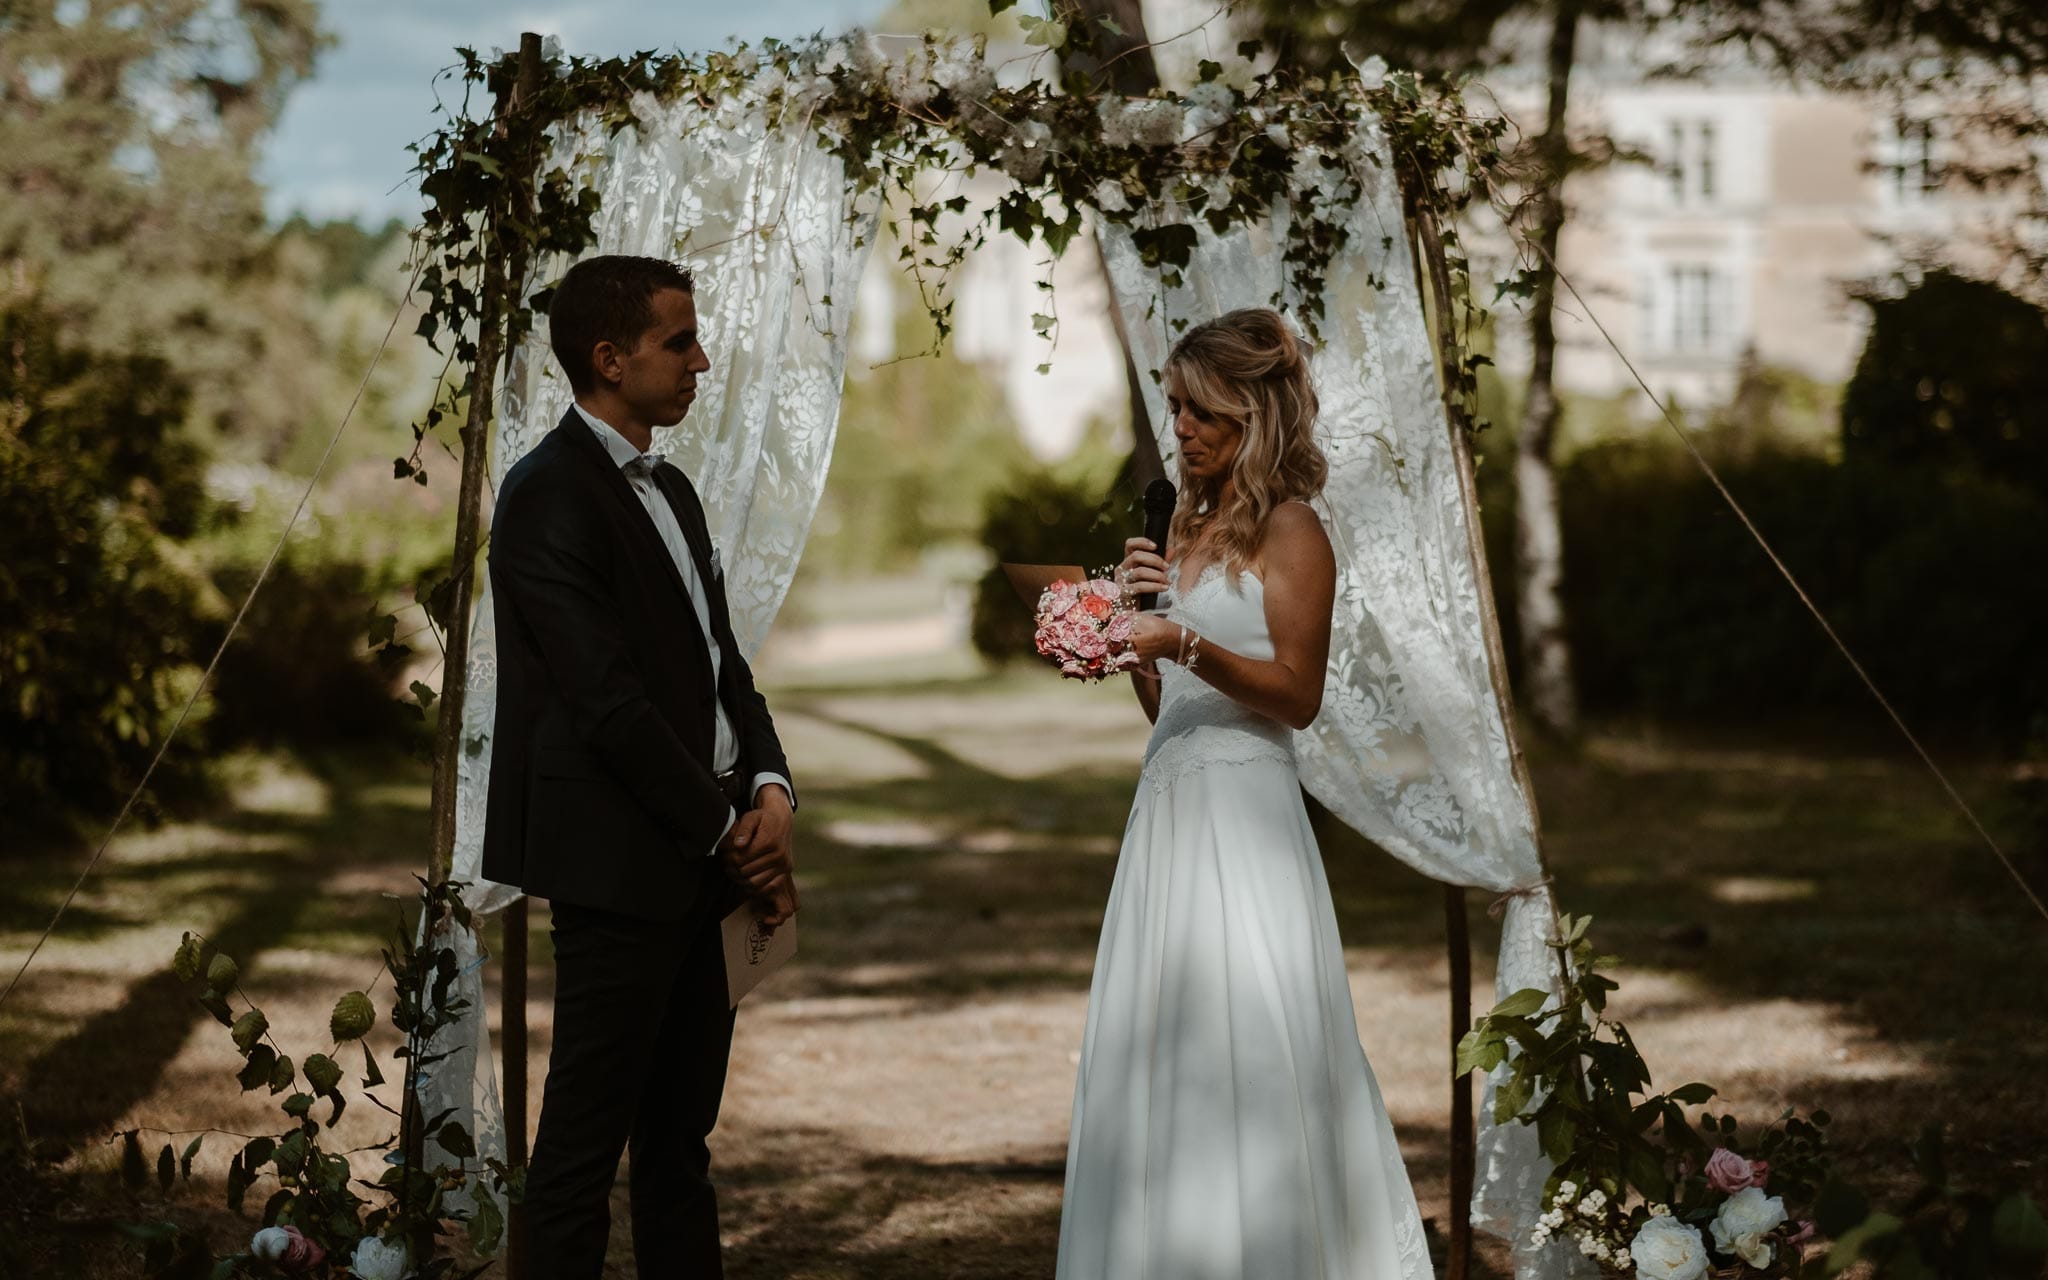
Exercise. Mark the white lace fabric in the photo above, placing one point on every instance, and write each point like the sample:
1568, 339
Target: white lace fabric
768, 222
1410, 748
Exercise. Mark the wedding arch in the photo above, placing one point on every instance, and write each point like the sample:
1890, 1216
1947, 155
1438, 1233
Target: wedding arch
771, 169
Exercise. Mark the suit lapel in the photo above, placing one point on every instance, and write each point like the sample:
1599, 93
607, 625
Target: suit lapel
585, 442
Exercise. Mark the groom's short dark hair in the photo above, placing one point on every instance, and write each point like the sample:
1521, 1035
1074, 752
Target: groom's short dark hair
606, 299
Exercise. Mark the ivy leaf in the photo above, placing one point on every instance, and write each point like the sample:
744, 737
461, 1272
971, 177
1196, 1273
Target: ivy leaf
186, 963
239, 1179
166, 1169
352, 1018
323, 1073
1692, 1094
133, 1172
281, 1075
1480, 1051
185, 1160
455, 1140
1041, 323
372, 1077
2018, 1227
1556, 1129
486, 1226
298, 1105
255, 1073
1512, 1097
214, 1004
256, 1153
1521, 1004
425, 694
248, 1029
276, 1205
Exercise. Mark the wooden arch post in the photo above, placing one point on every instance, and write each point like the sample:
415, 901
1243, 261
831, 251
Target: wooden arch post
506, 260
1430, 261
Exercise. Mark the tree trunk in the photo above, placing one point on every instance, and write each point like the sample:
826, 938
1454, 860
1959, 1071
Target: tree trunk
1539, 542
1131, 70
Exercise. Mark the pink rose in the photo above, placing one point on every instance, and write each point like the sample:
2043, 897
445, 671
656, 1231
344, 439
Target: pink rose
1120, 627
1729, 1173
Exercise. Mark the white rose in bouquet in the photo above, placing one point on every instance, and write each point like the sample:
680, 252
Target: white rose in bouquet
1745, 1218
378, 1259
1667, 1249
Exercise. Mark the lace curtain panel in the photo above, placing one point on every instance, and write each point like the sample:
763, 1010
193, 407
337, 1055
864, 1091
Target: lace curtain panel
767, 220
1410, 749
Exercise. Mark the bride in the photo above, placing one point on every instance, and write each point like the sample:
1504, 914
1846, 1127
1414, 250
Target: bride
1226, 1124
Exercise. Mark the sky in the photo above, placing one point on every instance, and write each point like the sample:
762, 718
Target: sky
339, 150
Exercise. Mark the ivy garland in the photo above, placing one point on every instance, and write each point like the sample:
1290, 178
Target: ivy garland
1235, 146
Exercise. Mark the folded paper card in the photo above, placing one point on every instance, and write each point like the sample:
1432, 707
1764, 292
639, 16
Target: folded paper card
753, 951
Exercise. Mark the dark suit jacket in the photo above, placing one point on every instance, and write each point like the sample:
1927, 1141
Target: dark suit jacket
601, 786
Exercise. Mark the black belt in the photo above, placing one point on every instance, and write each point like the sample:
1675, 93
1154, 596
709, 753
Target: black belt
734, 789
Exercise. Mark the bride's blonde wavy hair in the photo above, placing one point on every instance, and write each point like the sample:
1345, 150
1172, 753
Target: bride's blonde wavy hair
1248, 369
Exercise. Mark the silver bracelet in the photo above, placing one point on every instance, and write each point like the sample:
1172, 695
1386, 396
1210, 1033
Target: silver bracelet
1194, 650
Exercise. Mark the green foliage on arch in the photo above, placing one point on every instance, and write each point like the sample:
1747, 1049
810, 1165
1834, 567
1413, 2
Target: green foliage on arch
1236, 146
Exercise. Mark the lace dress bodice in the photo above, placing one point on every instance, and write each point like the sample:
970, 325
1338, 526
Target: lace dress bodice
1199, 725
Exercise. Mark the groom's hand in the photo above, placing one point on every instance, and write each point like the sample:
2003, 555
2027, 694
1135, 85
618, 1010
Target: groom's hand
757, 851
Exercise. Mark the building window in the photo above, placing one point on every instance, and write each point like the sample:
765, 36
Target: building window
1693, 162
1905, 161
1698, 310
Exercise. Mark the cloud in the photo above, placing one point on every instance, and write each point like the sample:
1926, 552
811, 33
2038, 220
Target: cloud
339, 149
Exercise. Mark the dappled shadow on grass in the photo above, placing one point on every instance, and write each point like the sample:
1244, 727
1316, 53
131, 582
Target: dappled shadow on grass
250, 895
1760, 872
1012, 915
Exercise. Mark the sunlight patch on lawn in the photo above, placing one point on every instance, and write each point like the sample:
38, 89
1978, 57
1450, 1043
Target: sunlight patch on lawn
275, 784
1756, 889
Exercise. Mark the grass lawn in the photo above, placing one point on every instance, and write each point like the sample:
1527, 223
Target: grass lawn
1801, 927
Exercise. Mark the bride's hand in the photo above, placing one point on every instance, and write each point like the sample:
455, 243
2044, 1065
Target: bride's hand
1143, 570
1153, 638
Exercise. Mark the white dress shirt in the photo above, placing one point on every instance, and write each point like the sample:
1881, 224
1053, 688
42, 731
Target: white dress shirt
725, 743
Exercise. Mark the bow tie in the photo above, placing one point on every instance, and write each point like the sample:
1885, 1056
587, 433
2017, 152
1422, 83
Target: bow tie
642, 467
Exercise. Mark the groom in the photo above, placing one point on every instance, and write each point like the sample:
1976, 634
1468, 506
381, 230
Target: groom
636, 780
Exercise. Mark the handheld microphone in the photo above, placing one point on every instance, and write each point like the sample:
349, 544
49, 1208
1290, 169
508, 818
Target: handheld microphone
1159, 499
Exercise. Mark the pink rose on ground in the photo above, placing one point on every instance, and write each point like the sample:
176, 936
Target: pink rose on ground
1729, 1173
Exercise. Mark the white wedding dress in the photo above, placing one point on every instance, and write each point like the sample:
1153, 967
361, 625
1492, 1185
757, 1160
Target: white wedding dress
1226, 1124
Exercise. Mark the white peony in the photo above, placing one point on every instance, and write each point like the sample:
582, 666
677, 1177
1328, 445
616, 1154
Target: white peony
1110, 196
1667, 1249
1156, 122
378, 1259
1372, 73
1210, 105
1745, 1218
270, 1243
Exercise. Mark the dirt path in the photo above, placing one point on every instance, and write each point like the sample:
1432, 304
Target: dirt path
1801, 928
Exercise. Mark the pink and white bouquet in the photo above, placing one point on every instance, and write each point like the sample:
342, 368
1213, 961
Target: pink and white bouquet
1085, 628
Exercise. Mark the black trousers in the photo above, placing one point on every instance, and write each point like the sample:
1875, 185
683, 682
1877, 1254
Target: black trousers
642, 1033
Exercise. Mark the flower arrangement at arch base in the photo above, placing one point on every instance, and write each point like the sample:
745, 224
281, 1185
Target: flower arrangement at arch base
1641, 1191
321, 1221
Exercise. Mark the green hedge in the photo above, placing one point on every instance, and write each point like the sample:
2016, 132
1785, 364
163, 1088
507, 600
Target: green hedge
1933, 580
